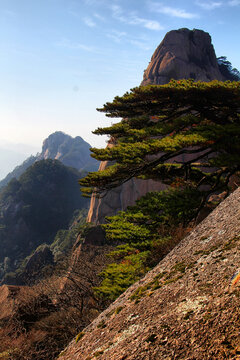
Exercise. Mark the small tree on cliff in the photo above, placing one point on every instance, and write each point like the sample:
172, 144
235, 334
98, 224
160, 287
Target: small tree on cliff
183, 132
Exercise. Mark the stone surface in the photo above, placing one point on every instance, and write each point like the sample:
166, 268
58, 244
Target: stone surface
182, 54
70, 151
187, 307
8, 295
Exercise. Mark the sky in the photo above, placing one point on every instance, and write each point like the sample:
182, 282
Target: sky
62, 59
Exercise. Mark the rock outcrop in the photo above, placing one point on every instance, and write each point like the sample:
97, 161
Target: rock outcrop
120, 198
70, 151
187, 307
182, 54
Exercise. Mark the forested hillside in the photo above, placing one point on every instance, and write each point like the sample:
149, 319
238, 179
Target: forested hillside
33, 208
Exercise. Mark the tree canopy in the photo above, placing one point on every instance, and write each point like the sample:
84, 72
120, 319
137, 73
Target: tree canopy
227, 70
183, 131
185, 134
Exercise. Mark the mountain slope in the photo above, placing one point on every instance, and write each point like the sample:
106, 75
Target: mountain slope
70, 151
34, 208
187, 307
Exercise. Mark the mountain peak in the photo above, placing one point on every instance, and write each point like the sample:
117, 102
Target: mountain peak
73, 152
183, 54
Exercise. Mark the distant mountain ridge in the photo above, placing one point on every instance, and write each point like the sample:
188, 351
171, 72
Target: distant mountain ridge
70, 151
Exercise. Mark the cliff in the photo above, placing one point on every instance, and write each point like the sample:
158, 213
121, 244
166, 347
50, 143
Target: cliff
187, 307
182, 54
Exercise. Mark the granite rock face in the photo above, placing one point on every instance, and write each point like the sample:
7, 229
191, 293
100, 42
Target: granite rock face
182, 54
187, 307
120, 198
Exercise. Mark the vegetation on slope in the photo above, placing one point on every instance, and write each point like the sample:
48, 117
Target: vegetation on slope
48, 315
34, 208
185, 134
147, 231
227, 70
182, 130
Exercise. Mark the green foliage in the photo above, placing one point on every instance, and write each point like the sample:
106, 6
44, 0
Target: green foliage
227, 70
185, 134
184, 129
65, 239
34, 207
80, 336
140, 230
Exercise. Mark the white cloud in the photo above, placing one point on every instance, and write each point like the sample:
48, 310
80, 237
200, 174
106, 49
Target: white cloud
133, 19
66, 43
209, 5
89, 22
99, 17
117, 36
121, 36
234, 2
141, 45
171, 11
148, 24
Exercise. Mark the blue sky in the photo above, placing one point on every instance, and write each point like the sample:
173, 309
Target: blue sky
60, 59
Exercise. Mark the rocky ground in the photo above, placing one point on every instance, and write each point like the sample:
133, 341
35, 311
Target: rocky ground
187, 307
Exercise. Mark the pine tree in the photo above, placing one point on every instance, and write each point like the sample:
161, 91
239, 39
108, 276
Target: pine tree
183, 131
184, 134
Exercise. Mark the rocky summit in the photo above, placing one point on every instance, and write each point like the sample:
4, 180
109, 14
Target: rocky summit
182, 54
70, 151
73, 152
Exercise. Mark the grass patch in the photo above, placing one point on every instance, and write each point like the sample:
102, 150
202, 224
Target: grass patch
118, 309
79, 336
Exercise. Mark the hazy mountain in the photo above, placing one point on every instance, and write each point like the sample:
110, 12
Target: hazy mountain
9, 159
70, 151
